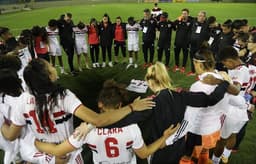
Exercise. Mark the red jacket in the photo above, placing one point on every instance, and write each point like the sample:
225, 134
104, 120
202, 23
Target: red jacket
93, 36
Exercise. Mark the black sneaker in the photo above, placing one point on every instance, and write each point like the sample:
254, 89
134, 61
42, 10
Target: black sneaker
74, 73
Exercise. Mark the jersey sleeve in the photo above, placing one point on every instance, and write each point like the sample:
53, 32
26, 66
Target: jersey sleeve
71, 102
138, 141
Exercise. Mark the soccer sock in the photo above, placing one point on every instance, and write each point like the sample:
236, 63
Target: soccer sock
203, 157
226, 153
215, 160
130, 60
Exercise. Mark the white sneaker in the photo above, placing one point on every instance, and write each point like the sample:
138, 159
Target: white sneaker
62, 71
80, 69
129, 65
97, 65
94, 65
103, 65
110, 64
135, 65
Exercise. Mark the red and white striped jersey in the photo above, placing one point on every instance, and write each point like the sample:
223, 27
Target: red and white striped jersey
60, 122
252, 72
113, 145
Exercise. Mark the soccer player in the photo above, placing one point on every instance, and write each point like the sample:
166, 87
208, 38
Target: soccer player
240, 76
81, 44
120, 35
132, 28
54, 45
47, 111
106, 39
183, 26
199, 34
226, 39
10, 85
165, 28
205, 123
148, 25
41, 42
93, 39
156, 12
115, 145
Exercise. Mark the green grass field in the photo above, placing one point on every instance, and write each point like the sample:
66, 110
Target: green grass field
89, 82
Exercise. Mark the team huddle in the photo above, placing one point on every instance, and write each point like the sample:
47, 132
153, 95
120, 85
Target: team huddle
36, 113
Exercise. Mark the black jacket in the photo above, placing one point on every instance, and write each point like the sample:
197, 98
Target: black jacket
106, 34
183, 29
165, 28
215, 35
66, 33
199, 34
123, 25
148, 29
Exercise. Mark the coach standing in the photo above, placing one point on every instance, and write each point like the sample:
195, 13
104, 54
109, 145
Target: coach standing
67, 40
183, 27
148, 25
199, 34
165, 28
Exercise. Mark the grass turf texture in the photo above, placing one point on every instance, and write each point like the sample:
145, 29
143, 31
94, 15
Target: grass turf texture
89, 82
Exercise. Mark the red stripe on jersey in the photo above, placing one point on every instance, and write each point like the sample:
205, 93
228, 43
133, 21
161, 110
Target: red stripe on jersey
129, 143
77, 108
92, 146
38, 154
244, 84
58, 114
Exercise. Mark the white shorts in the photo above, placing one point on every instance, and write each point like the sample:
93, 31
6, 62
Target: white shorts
55, 50
231, 126
81, 48
133, 47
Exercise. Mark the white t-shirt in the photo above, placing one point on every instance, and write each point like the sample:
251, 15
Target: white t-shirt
80, 36
113, 145
61, 117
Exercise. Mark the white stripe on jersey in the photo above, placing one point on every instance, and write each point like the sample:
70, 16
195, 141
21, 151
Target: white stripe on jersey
53, 37
252, 72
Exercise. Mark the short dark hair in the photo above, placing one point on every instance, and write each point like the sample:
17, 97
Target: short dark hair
228, 52
227, 23
4, 30
80, 25
211, 20
185, 9
243, 36
238, 23
69, 15
253, 36
52, 23
146, 11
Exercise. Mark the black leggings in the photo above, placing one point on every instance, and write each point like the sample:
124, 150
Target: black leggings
177, 50
192, 54
118, 44
94, 56
167, 55
145, 47
108, 49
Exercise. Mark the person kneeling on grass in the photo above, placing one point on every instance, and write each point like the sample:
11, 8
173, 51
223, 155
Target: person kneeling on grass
114, 145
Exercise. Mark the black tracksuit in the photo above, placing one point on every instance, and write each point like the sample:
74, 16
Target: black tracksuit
164, 43
199, 34
170, 108
67, 40
215, 35
106, 39
182, 39
148, 38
